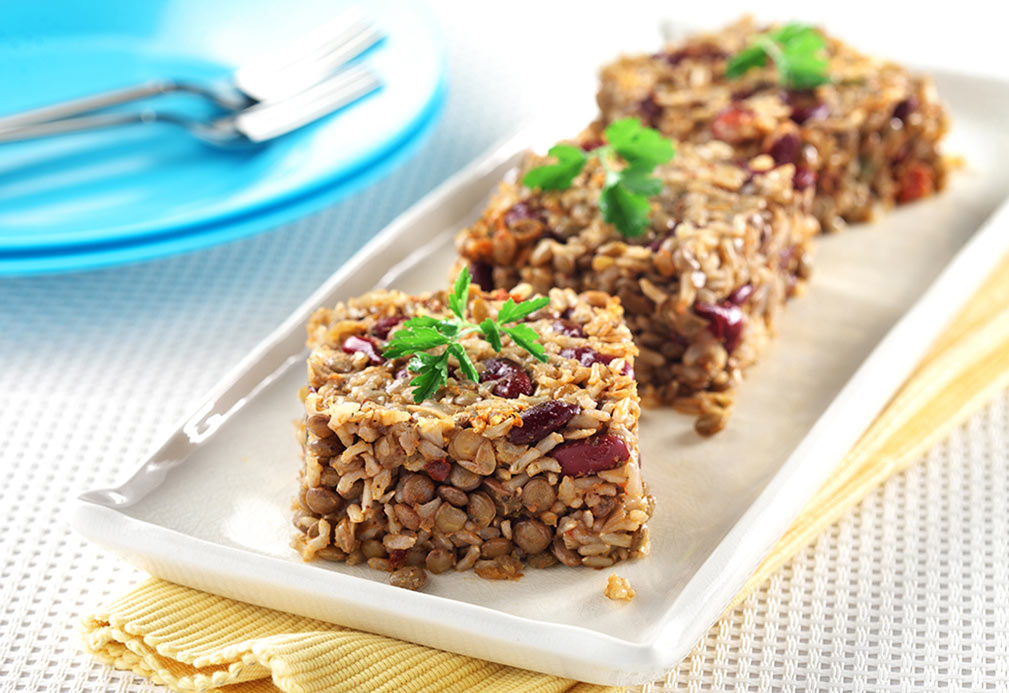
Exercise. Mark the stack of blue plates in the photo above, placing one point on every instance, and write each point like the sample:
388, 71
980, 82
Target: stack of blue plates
140, 192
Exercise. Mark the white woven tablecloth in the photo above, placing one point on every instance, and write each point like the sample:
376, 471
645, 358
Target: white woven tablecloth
909, 592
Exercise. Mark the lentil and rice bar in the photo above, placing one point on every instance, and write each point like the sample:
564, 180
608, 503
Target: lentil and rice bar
536, 463
868, 139
727, 245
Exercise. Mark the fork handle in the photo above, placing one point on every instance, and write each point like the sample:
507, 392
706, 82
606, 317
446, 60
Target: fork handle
79, 124
88, 104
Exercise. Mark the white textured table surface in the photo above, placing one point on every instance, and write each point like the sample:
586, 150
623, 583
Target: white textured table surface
910, 591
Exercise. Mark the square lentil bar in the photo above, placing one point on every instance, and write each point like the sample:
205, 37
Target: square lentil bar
727, 245
534, 464
869, 139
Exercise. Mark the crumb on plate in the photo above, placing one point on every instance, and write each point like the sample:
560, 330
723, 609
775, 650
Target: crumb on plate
618, 589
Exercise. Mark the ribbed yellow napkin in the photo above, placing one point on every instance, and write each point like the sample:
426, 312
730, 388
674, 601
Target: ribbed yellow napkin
189, 640
193, 641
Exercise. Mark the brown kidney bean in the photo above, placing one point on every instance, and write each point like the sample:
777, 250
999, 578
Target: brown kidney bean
568, 328
725, 321
804, 178
511, 379
904, 109
785, 149
541, 420
809, 110
649, 110
383, 326
588, 356
518, 212
590, 455
366, 345
740, 294
483, 275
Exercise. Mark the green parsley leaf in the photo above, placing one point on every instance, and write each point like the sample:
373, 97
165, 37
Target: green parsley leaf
570, 161
805, 61
526, 337
422, 360
640, 181
460, 294
745, 60
491, 333
446, 327
511, 311
798, 52
409, 341
625, 209
433, 375
637, 145
465, 364
420, 334
623, 200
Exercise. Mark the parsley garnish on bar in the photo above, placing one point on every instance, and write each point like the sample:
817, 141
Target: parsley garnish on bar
797, 50
624, 197
420, 335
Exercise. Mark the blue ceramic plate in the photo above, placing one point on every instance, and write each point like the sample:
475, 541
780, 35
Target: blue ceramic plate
138, 192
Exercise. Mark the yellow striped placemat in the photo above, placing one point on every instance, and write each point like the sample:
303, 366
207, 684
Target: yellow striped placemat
193, 641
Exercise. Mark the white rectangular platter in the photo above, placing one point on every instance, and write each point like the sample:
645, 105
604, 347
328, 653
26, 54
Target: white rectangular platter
211, 508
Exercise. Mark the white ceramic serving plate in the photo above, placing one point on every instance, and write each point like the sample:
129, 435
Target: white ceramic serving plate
211, 508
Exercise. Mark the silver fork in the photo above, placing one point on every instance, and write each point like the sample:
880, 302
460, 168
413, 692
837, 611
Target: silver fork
257, 123
271, 77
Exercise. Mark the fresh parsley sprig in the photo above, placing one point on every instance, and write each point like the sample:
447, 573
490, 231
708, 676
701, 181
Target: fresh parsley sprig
418, 336
624, 197
798, 52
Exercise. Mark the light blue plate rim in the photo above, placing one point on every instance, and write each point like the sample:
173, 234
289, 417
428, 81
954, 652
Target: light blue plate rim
154, 232
176, 241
